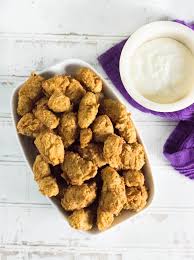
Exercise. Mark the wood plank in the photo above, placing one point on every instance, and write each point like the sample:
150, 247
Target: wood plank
160, 132
11, 150
17, 186
43, 51
20, 255
82, 17
134, 254
18, 189
56, 256
42, 230
95, 18
8, 83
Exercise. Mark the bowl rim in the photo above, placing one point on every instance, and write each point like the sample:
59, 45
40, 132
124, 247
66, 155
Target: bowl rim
146, 33
117, 95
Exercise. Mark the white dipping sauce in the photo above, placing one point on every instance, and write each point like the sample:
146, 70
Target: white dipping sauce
162, 70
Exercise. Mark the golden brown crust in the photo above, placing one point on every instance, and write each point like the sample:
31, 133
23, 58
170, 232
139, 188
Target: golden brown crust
68, 128
76, 170
133, 178
41, 168
113, 195
29, 92
75, 91
29, 125
126, 129
132, 157
102, 128
48, 186
42, 102
104, 219
113, 109
59, 102
58, 82
81, 219
96, 146
94, 153
32, 87
88, 109
48, 118
136, 198
112, 150
90, 80
85, 137
25, 105
78, 197
50, 147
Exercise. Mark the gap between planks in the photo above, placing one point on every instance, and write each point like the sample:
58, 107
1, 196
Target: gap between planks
152, 209
55, 248
60, 36
6, 120
72, 35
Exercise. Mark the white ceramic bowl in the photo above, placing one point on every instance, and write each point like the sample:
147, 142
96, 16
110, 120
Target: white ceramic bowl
160, 29
70, 66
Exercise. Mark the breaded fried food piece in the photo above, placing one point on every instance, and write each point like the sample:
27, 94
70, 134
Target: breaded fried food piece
133, 178
89, 79
88, 109
113, 109
59, 102
104, 219
126, 129
42, 102
41, 168
112, 150
136, 198
32, 87
42, 112
94, 153
113, 196
51, 147
25, 105
29, 125
102, 128
58, 82
78, 197
28, 93
85, 137
132, 157
75, 91
76, 170
48, 186
42, 174
68, 128
81, 219
48, 118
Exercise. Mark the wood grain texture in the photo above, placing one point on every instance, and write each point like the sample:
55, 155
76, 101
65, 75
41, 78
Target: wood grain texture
160, 132
33, 35
76, 17
85, 18
8, 83
28, 226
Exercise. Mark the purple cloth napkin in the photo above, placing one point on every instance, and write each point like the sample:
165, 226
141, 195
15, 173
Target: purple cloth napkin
179, 147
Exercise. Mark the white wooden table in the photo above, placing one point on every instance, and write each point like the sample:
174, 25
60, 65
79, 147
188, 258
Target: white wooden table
33, 35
